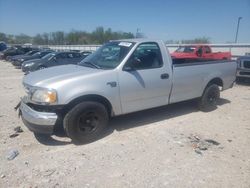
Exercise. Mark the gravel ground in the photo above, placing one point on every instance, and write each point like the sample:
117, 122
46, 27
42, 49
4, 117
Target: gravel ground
172, 146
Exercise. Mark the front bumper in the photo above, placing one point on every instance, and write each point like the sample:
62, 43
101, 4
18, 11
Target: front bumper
243, 73
17, 63
25, 69
38, 122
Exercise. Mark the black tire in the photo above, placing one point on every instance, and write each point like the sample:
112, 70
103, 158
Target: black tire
86, 122
209, 99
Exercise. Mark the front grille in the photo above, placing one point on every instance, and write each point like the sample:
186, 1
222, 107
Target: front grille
246, 64
244, 73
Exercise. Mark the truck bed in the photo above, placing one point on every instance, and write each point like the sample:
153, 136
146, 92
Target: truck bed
190, 79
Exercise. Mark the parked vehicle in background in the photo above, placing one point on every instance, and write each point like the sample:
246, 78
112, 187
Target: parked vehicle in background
14, 50
52, 59
119, 78
86, 53
199, 52
16, 57
3, 46
18, 63
243, 69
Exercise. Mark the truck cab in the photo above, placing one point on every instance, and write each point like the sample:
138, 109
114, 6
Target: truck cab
199, 52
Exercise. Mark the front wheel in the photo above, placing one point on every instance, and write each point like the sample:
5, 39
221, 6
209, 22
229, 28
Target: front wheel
85, 122
209, 99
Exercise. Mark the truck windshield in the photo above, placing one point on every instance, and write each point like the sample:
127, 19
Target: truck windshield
186, 49
108, 56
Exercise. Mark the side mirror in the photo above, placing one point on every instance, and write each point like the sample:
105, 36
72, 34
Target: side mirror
136, 61
132, 64
54, 58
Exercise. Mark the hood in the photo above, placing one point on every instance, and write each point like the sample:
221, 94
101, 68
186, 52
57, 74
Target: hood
48, 78
33, 61
30, 57
18, 56
21, 57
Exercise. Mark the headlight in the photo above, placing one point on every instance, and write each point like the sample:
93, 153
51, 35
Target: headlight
21, 60
28, 64
44, 96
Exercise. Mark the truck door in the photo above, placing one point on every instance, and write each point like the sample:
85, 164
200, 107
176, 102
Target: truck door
199, 51
145, 80
207, 53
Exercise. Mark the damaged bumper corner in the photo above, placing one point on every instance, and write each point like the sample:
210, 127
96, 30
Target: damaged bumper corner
38, 122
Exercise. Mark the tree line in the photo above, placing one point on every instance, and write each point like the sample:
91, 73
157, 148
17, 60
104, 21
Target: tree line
198, 40
74, 37
98, 36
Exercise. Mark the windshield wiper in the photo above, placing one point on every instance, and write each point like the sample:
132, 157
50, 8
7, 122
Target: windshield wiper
92, 64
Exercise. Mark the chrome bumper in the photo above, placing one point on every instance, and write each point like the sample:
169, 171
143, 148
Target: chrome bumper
40, 122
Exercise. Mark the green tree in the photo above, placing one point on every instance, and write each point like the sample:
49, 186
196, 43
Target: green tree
3, 37
57, 37
38, 39
98, 36
22, 39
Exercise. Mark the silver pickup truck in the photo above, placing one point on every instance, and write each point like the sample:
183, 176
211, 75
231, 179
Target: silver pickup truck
120, 77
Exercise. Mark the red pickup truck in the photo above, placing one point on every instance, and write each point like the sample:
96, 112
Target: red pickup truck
199, 52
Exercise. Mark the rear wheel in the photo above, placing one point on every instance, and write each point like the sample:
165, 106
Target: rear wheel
86, 122
209, 99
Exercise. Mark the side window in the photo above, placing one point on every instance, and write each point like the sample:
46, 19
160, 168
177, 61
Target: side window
70, 55
76, 55
199, 51
43, 53
207, 50
146, 56
61, 56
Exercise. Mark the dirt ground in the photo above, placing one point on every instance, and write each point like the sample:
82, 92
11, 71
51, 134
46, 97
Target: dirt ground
172, 146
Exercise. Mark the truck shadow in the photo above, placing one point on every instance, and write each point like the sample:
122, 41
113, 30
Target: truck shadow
48, 140
133, 120
150, 116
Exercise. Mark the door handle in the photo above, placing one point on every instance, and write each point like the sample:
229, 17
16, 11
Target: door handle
164, 76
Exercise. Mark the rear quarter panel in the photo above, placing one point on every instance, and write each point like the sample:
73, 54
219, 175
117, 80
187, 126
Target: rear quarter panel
189, 81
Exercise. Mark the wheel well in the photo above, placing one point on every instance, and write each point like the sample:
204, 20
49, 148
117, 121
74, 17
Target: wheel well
217, 81
42, 66
94, 98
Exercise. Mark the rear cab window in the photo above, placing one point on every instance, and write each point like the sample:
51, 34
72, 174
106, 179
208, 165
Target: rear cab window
207, 50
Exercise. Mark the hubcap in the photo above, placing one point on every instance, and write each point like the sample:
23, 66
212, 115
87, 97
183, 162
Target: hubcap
88, 122
212, 98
